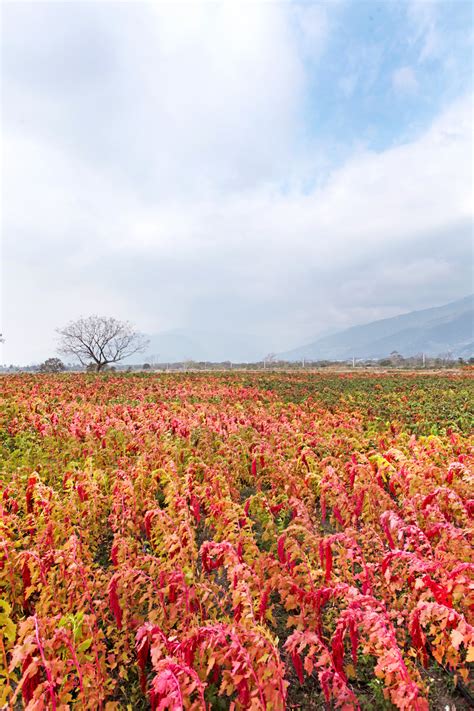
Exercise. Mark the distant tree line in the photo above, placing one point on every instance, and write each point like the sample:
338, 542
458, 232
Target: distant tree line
101, 342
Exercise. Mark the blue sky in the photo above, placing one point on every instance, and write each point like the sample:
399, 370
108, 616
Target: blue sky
386, 70
265, 171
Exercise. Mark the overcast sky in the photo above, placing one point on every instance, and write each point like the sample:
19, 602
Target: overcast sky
277, 169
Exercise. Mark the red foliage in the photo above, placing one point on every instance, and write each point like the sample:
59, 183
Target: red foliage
179, 522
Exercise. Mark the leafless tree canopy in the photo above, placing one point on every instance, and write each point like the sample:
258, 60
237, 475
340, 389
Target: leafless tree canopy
100, 340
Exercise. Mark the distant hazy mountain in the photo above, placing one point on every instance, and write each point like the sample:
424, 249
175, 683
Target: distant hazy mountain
180, 345
443, 329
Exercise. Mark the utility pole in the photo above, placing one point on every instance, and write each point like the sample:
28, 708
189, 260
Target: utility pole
423, 360
353, 362
303, 362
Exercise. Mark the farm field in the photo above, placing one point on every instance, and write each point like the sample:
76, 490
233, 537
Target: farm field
237, 541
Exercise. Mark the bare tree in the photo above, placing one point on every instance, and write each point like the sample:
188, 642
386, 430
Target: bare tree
100, 340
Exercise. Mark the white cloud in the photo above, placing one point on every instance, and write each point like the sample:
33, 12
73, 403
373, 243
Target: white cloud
313, 22
265, 257
173, 101
422, 15
164, 187
404, 80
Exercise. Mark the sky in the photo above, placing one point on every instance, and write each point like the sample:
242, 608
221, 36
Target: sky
266, 170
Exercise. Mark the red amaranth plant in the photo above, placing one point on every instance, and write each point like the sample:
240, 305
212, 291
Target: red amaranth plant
236, 652
220, 509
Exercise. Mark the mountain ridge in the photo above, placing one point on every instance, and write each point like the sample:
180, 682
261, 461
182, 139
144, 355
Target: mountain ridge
433, 331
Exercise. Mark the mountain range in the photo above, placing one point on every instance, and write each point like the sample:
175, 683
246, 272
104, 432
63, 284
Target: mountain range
434, 331
447, 329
